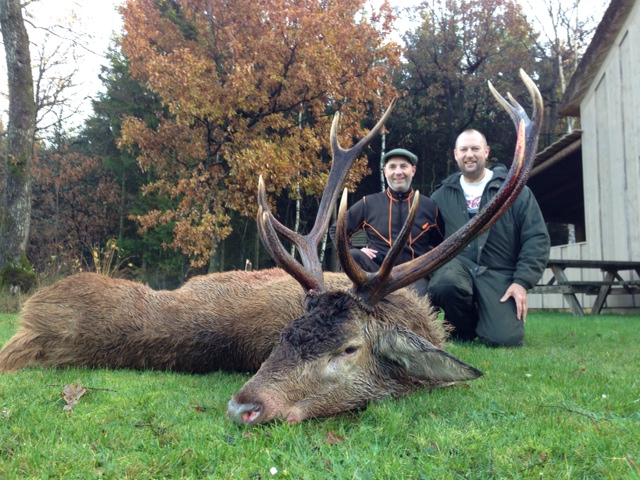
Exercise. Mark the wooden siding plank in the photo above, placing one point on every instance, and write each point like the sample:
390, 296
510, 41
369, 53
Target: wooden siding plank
590, 164
615, 227
603, 166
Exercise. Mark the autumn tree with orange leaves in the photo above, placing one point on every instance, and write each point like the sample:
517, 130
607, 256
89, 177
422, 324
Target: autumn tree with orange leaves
249, 88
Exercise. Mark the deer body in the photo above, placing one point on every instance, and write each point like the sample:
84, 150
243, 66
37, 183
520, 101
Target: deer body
221, 321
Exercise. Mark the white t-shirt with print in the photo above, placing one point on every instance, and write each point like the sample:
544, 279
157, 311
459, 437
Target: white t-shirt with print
473, 191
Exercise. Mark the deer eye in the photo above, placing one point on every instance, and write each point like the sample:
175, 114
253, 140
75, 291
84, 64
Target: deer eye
350, 350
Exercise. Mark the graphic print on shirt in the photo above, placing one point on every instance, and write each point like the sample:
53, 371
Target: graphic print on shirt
473, 191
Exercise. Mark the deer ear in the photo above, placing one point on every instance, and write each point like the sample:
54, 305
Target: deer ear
421, 359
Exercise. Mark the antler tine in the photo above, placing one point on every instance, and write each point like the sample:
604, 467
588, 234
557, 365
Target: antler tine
513, 108
366, 284
517, 113
526, 143
392, 255
340, 165
532, 126
355, 273
306, 278
309, 273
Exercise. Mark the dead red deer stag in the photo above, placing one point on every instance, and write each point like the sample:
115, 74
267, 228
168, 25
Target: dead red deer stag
228, 321
371, 340
352, 346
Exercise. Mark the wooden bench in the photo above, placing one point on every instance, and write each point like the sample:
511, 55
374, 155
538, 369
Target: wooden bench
611, 284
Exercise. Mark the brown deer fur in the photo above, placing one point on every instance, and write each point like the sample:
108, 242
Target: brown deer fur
228, 321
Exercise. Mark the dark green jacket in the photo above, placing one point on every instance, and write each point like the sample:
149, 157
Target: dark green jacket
517, 244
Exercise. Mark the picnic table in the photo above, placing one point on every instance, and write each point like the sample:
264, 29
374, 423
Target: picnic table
612, 282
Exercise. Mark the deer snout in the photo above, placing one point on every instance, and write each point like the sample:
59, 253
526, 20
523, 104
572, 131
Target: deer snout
247, 413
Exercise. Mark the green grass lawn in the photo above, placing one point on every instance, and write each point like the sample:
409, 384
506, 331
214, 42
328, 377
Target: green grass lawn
564, 406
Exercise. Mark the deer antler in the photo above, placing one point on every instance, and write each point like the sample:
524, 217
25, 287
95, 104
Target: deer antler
309, 273
372, 287
362, 280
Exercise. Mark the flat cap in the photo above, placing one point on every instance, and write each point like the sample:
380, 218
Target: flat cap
400, 152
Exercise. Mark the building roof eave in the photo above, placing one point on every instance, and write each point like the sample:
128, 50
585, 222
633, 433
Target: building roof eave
603, 38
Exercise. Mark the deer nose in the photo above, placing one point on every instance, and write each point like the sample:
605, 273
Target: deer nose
247, 413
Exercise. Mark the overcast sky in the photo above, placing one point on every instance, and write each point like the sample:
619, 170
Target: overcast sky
99, 19
96, 19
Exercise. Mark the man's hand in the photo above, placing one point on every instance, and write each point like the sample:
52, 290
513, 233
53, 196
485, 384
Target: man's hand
369, 252
519, 294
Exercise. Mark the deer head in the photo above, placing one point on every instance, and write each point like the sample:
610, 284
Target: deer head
372, 340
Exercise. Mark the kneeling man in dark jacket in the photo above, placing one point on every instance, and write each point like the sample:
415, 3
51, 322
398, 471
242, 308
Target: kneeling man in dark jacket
382, 216
483, 290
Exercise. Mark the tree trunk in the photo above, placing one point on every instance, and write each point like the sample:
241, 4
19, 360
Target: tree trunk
15, 210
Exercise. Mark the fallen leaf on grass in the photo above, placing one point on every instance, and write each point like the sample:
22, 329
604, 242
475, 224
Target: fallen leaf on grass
332, 438
71, 394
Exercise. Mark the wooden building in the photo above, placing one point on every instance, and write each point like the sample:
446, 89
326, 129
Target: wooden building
591, 177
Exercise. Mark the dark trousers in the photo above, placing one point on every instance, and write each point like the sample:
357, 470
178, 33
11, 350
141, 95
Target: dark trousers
420, 286
470, 297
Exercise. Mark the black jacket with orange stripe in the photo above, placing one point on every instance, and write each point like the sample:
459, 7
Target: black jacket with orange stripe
382, 215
